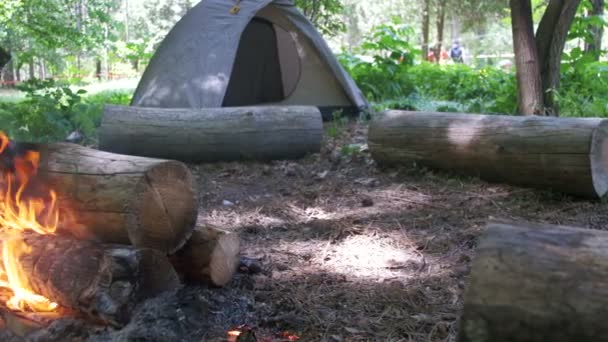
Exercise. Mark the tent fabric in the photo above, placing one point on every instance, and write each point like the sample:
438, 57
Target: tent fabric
196, 64
256, 75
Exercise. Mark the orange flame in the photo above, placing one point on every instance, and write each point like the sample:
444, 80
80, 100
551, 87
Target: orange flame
19, 214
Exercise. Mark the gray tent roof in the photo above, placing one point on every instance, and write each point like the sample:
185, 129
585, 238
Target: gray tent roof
192, 66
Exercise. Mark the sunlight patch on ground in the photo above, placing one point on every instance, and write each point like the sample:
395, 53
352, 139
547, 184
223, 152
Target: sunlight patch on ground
373, 258
227, 219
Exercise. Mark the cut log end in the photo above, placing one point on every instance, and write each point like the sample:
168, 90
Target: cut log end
166, 208
599, 159
210, 256
532, 282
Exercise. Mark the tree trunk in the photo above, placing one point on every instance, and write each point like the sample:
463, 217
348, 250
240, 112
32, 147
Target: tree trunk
440, 29
426, 13
212, 134
594, 47
5, 57
455, 32
102, 281
529, 84
98, 69
9, 74
211, 256
31, 68
532, 282
550, 41
121, 199
41, 69
567, 155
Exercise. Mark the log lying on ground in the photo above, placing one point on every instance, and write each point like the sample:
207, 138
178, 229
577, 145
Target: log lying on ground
210, 256
121, 199
563, 154
103, 281
212, 134
537, 283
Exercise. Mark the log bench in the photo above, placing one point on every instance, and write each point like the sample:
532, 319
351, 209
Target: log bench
533, 282
212, 134
569, 155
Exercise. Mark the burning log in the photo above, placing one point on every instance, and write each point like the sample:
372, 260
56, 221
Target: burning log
569, 155
212, 134
121, 199
103, 281
210, 256
537, 283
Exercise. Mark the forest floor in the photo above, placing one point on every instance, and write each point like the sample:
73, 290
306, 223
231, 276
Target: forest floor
350, 252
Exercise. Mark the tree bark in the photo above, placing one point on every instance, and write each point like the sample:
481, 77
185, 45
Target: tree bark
212, 134
550, 41
530, 93
440, 29
121, 199
5, 57
32, 72
455, 25
211, 256
102, 281
594, 47
532, 282
426, 20
566, 155
9, 74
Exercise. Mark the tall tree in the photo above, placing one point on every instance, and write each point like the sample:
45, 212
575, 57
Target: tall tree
596, 28
426, 20
542, 52
440, 22
530, 99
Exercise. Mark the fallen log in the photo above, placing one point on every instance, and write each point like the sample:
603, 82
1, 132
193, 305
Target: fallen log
564, 154
537, 283
212, 134
121, 199
211, 256
103, 281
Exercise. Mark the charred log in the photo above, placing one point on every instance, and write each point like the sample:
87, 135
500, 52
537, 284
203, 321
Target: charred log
102, 281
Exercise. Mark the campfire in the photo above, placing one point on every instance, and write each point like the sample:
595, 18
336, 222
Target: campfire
90, 234
19, 214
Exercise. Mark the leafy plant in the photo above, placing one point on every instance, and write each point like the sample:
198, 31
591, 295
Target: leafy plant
337, 124
49, 112
380, 68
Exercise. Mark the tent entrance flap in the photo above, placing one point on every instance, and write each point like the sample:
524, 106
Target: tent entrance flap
256, 74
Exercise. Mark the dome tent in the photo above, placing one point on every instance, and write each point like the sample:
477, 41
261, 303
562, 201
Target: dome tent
266, 52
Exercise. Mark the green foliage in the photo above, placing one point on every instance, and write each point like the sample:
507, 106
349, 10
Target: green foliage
337, 124
391, 53
486, 90
584, 89
51, 110
324, 14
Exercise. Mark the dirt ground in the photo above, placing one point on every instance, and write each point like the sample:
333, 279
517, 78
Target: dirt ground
354, 253
348, 252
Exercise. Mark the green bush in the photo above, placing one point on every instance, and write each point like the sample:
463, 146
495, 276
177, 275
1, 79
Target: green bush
51, 110
384, 74
584, 87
